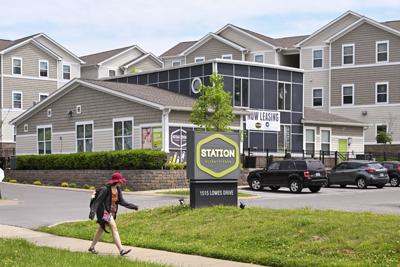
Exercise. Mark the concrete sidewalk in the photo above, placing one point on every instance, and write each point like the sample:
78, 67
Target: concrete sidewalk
141, 254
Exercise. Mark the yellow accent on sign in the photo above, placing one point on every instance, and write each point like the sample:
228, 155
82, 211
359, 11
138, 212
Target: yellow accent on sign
211, 172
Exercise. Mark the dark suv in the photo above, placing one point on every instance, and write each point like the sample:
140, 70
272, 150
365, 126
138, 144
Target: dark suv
295, 174
393, 169
358, 172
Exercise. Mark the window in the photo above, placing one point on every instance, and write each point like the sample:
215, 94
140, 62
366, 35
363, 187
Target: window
382, 91
196, 85
44, 140
14, 134
284, 139
123, 133
348, 54
228, 56
26, 128
347, 94
274, 166
43, 96
326, 140
317, 58
381, 128
310, 141
49, 113
176, 63
78, 109
111, 73
17, 100
259, 58
287, 165
66, 72
284, 96
43, 68
199, 59
382, 51
241, 98
17, 66
84, 137
317, 97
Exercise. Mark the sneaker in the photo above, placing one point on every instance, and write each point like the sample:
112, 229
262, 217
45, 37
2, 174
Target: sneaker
92, 250
124, 252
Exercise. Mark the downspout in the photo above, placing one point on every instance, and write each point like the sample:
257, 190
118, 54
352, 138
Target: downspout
165, 129
2, 95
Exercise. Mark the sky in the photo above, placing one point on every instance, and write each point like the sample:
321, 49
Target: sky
90, 26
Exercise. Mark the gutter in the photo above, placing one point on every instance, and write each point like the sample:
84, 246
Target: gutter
354, 124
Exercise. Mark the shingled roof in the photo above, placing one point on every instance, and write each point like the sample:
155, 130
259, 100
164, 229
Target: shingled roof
177, 49
4, 44
94, 59
316, 116
394, 24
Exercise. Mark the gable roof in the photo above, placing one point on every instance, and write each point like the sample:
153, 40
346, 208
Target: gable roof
394, 24
142, 57
290, 42
96, 58
177, 49
320, 117
263, 38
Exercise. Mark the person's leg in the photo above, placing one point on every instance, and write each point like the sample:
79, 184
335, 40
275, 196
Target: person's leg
115, 234
96, 238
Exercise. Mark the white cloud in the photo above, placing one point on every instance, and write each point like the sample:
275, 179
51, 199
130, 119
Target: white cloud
93, 25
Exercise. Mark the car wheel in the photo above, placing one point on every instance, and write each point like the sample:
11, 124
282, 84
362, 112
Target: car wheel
274, 188
255, 184
361, 183
314, 189
342, 185
295, 186
380, 186
394, 181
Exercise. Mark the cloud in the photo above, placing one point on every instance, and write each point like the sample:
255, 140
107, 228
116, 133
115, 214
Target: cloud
87, 26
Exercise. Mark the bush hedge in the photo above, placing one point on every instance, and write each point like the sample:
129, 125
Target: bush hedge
109, 160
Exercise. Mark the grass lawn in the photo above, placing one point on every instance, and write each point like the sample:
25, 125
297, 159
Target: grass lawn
186, 192
14, 252
272, 237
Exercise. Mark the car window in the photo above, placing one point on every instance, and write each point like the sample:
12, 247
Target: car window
374, 165
273, 166
287, 165
314, 165
301, 165
341, 166
388, 166
353, 165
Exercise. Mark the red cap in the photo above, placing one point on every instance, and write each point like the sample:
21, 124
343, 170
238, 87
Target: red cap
117, 178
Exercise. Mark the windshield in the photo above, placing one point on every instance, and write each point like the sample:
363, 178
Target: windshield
314, 165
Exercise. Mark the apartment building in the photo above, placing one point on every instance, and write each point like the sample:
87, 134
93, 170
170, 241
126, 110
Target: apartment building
120, 61
31, 68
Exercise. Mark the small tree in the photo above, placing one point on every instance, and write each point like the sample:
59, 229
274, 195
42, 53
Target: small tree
213, 110
384, 137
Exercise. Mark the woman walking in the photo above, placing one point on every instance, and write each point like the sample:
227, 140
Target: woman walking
105, 206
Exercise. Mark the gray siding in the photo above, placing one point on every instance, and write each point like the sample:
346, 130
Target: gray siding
97, 106
30, 55
364, 80
364, 38
145, 64
89, 72
244, 40
213, 49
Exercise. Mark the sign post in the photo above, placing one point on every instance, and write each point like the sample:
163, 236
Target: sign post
213, 167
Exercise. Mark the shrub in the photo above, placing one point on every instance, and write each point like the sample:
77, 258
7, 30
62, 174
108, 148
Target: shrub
110, 160
92, 188
12, 181
175, 166
72, 185
37, 183
126, 189
64, 184
86, 186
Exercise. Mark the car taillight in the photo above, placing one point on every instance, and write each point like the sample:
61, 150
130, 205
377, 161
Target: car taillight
307, 174
398, 168
370, 170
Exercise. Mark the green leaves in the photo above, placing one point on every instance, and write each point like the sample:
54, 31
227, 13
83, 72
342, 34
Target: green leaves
384, 138
213, 110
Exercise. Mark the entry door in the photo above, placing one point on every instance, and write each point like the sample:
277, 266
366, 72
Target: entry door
342, 155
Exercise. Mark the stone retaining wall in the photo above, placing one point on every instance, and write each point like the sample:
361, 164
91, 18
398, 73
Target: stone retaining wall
137, 180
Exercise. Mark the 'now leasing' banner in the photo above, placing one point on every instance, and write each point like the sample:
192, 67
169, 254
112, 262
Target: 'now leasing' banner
263, 120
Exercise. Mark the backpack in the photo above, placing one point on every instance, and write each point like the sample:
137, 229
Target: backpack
95, 195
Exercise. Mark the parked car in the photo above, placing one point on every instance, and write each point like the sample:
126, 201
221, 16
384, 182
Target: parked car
294, 174
361, 173
393, 169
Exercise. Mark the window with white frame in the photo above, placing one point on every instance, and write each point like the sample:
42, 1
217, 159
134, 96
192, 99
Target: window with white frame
44, 139
26, 128
348, 54
325, 140
382, 51
284, 143
66, 72
111, 73
49, 113
17, 100
16, 66
259, 58
317, 58
227, 56
284, 96
381, 128
199, 59
382, 91
43, 96
347, 94
317, 97
123, 133
84, 137
310, 141
78, 109
241, 97
43, 68
176, 63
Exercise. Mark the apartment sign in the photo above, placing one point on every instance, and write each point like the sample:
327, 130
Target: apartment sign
260, 120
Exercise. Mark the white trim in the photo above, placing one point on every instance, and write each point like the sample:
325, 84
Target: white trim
284, 101
305, 128
316, 70
30, 77
365, 106
49, 113
259, 54
113, 130
78, 108
366, 65
26, 135
387, 93
26, 128
140, 58
330, 137
194, 90
322, 90
51, 139
12, 100
387, 51
199, 59
376, 130
352, 94
121, 53
305, 121
148, 125
12, 66
165, 130
34, 42
353, 55
176, 61
48, 68
227, 56
314, 47
84, 123
70, 70
322, 58
64, 133
103, 130
43, 94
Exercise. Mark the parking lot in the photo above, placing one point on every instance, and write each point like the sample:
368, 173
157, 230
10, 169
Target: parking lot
385, 200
